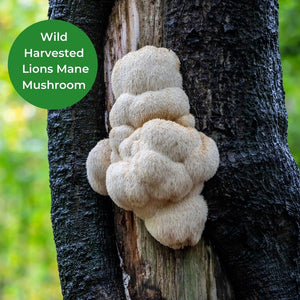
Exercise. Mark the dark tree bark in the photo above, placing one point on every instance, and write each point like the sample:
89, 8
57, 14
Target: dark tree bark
231, 72
82, 220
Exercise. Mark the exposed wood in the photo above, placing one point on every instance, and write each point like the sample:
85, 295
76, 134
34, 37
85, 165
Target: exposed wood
132, 25
156, 272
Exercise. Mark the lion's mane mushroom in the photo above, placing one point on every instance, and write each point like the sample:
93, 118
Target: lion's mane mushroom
154, 162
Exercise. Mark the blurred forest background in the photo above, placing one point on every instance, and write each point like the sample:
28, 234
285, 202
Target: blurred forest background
28, 268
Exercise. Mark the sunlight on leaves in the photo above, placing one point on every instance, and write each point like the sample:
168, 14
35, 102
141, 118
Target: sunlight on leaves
28, 268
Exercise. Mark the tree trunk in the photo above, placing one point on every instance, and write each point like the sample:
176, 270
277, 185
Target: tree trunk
82, 220
231, 72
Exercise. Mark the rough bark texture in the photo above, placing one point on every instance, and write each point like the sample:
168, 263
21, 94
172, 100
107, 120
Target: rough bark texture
154, 271
232, 75
82, 220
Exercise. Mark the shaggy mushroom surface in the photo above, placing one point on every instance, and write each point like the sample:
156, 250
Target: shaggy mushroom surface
154, 162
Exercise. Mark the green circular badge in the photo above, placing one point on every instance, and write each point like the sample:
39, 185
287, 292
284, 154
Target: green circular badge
52, 64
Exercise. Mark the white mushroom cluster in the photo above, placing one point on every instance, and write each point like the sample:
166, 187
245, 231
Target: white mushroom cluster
154, 162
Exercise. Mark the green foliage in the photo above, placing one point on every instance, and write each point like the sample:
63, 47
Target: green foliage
28, 268
289, 42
